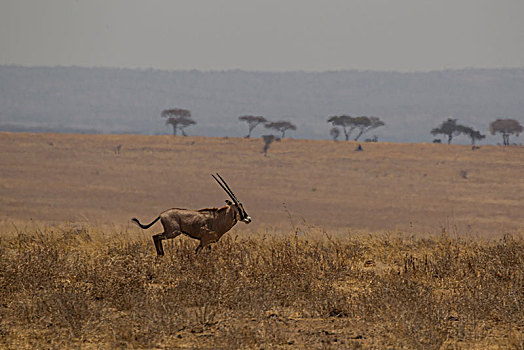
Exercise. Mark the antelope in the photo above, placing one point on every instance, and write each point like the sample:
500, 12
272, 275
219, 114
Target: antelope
207, 225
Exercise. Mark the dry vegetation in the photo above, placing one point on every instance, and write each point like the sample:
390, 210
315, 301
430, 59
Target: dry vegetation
443, 266
52, 178
66, 287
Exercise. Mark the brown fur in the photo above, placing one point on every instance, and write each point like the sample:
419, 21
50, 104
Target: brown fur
207, 225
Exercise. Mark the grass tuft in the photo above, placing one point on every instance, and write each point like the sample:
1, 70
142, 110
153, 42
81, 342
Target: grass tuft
82, 288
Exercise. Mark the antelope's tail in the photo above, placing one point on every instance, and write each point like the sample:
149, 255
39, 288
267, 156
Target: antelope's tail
145, 227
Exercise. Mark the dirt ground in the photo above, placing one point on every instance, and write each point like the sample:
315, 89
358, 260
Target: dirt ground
108, 179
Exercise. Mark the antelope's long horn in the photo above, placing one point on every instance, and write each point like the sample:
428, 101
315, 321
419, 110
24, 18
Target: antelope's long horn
229, 189
225, 188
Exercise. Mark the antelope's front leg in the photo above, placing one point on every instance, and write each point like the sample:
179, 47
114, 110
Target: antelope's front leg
208, 237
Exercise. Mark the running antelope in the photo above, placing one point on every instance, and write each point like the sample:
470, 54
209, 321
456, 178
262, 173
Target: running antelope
207, 225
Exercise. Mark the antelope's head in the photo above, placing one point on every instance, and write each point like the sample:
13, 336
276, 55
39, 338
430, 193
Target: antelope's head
240, 212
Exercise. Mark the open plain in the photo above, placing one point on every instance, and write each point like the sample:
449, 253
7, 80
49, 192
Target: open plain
397, 246
108, 179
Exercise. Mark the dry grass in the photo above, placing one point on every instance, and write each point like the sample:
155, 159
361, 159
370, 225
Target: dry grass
85, 287
99, 285
52, 178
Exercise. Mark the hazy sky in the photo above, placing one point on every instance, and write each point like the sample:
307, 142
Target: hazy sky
404, 35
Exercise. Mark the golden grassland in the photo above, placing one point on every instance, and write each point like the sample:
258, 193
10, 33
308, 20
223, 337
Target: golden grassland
52, 178
399, 246
81, 287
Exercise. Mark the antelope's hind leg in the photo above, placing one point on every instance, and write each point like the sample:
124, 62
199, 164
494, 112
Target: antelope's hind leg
158, 244
161, 236
158, 241
171, 230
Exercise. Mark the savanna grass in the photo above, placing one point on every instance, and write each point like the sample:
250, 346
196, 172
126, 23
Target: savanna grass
80, 287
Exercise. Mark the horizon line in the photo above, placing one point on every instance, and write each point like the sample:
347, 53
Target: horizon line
240, 70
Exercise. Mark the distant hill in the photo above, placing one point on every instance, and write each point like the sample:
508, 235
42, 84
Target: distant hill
106, 100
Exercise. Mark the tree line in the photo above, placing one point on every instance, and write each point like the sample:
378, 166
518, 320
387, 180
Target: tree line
180, 118
450, 128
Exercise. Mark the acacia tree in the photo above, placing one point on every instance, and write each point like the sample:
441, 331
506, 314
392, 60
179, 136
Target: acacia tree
448, 128
344, 121
178, 118
252, 122
505, 127
364, 124
475, 135
348, 123
281, 126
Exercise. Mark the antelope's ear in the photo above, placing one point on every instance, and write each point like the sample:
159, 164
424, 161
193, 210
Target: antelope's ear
228, 202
